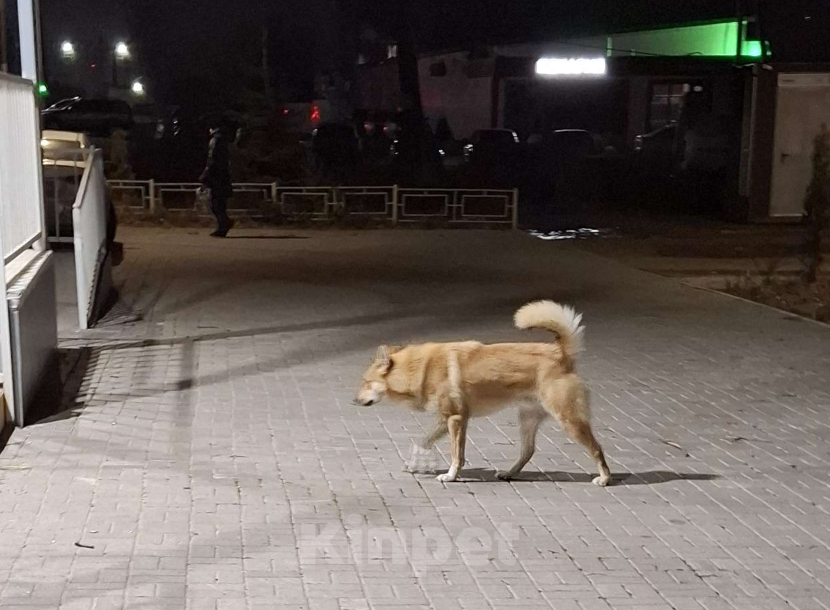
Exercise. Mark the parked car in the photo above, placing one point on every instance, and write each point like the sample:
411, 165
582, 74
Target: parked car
377, 142
708, 144
492, 146
566, 146
656, 147
97, 117
575, 143
704, 147
452, 154
335, 147
175, 123
570, 166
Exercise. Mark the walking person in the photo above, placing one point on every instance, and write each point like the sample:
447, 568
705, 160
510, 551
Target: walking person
217, 178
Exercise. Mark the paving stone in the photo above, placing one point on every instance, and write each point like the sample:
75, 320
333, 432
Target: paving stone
211, 459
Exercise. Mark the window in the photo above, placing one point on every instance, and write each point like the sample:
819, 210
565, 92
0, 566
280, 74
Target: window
438, 69
666, 103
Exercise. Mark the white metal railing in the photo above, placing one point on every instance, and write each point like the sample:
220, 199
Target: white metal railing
21, 210
189, 189
378, 201
89, 224
473, 206
468, 206
148, 196
140, 194
308, 201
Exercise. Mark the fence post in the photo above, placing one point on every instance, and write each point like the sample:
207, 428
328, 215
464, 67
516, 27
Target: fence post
274, 197
152, 202
394, 204
515, 208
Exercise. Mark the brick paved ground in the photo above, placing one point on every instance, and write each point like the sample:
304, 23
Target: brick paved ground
212, 439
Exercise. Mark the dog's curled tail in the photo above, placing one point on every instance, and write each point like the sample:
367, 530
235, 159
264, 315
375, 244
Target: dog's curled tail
560, 319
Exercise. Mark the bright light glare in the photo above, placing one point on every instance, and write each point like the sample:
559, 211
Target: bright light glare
122, 50
67, 49
137, 88
575, 66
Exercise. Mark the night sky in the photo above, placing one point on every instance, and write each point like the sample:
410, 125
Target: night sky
194, 49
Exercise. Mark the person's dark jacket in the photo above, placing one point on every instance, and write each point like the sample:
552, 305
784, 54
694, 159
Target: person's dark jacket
217, 173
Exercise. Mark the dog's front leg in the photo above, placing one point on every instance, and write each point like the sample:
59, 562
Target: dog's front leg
457, 425
422, 460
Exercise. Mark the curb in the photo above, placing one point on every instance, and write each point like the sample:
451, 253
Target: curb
686, 282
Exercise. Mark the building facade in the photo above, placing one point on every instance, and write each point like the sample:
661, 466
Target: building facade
714, 86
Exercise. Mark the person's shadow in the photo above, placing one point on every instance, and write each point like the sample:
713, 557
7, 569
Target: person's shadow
653, 477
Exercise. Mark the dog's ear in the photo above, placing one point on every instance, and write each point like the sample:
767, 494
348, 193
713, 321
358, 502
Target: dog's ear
384, 356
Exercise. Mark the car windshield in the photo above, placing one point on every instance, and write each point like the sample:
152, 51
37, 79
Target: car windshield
61, 105
575, 141
497, 136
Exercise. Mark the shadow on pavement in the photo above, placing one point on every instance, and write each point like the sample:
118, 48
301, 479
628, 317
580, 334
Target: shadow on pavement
73, 366
268, 237
480, 475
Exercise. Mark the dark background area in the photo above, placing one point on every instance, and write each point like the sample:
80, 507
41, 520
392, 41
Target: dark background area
195, 51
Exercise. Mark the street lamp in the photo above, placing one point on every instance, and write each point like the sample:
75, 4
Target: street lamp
68, 50
138, 88
122, 50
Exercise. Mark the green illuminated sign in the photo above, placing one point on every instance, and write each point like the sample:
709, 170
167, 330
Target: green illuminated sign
752, 48
704, 40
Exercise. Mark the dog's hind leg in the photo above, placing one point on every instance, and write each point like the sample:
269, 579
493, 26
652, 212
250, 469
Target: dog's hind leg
567, 399
529, 420
436, 434
581, 432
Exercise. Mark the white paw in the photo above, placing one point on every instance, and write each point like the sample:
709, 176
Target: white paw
447, 477
504, 475
601, 481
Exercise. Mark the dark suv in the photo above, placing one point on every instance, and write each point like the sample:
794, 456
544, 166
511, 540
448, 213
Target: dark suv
97, 117
335, 147
493, 146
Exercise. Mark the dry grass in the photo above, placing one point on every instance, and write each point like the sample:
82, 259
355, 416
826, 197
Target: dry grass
793, 295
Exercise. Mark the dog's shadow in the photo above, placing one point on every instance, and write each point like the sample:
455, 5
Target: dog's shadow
481, 475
